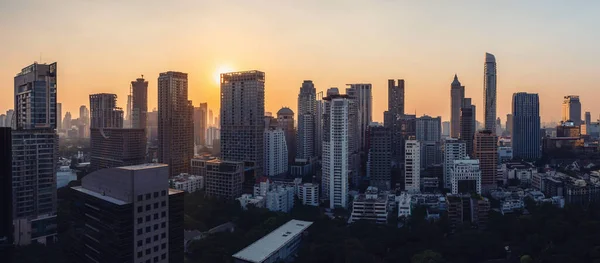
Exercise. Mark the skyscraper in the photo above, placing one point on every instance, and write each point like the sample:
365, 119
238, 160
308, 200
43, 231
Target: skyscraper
588, 117
467, 125
457, 96
35, 138
489, 92
319, 125
58, 116
115, 147
361, 94
571, 109
428, 128
2, 120
175, 122
84, 120
445, 129
242, 122
211, 120
307, 118
393, 115
396, 97
139, 103
285, 121
276, 152
104, 111
412, 166
379, 162
509, 123
486, 150
6, 190
336, 148
67, 121
453, 150
200, 124
526, 138
10, 116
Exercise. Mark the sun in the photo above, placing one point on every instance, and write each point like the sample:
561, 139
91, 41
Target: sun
219, 70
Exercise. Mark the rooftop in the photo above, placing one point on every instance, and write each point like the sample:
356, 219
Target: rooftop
143, 166
99, 195
269, 244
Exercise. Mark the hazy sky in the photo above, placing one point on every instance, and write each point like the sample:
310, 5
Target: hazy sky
547, 47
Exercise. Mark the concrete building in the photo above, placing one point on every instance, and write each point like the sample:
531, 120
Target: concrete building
175, 122
223, 179
84, 122
505, 154
468, 210
489, 92
486, 150
526, 138
571, 109
429, 128
10, 119
6, 192
453, 150
307, 121
58, 118
412, 166
152, 127
128, 214
34, 138
308, 193
115, 147
277, 246
588, 117
285, 121
392, 118
187, 182
139, 103
466, 177
467, 125
276, 152
361, 94
370, 206
104, 112
248, 199
200, 124
431, 154
280, 199
445, 129
242, 109
335, 160
509, 123
457, 96
213, 136
379, 164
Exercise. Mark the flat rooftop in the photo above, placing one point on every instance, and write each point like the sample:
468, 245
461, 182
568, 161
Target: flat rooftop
142, 166
263, 248
99, 195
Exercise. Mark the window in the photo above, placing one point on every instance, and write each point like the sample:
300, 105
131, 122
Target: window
163, 214
140, 220
148, 229
148, 240
163, 245
163, 256
163, 235
147, 218
140, 231
155, 205
140, 243
155, 226
148, 196
163, 192
140, 198
163, 224
163, 203
148, 261
156, 216
155, 259
155, 194
155, 248
155, 237
140, 209
148, 207
148, 251
140, 254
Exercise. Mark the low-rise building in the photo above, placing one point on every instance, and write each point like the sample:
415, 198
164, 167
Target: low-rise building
511, 205
280, 199
248, 199
223, 178
468, 209
404, 208
371, 206
522, 171
308, 193
187, 182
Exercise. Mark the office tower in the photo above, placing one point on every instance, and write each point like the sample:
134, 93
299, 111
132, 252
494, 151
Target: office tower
392, 116
242, 109
104, 112
200, 124
276, 152
428, 128
285, 120
431, 154
588, 117
453, 150
35, 138
466, 177
223, 178
307, 118
115, 147
319, 125
67, 121
396, 97
526, 137
361, 94
571, 109
127, 214
379, 164
486, 150
139, 103
457, 96
489, 92
211, 119
335, 148
10, 114
445, 129
467, 125
412, 166
509, 123
84, 121
407, 125
58, 116
6, 189
175, 122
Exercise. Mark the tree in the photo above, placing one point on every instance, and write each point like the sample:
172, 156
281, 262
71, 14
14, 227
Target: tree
427, 256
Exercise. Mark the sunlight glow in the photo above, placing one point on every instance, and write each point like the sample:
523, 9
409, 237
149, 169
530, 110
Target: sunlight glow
219, 70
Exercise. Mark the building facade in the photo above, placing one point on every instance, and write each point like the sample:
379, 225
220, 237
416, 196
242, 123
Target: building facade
280, 199
6, 190
308, 193
429, 128
486, 150
526, 138
489, 92
285, 121
466, 177
571, 109
139, 103
335, 160
379, 164
467, 125
115, 147
457, 96
453, 150
361, 94
200, 124
307, 118
104, 112
412, 166
370, 206
223, 179
276, 152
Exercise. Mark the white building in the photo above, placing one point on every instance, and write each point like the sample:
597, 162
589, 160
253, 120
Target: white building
412, 166
248, 199
335, 149
453, 150
276, 152
466, 176
510, 206
370, 206
280, 199
309, 194
505, 153
187, 183
404, 204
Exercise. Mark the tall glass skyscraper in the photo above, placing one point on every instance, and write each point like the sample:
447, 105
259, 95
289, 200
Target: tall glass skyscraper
526, 126
489, 92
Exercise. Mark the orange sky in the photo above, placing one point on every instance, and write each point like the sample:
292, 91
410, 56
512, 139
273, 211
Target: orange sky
101, 46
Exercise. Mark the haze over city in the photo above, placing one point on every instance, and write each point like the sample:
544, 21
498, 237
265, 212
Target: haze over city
549, 49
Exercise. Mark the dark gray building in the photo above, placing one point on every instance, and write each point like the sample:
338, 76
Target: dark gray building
467, 125
526, 125
115, 147
104, 111
306, 144
6, 197
379, 165
139, 103
457, 96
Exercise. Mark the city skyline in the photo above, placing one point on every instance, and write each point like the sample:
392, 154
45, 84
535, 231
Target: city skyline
527, 64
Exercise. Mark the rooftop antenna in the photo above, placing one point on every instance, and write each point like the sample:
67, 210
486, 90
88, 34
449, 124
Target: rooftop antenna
142, 75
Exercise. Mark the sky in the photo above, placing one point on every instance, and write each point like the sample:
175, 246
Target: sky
541, 46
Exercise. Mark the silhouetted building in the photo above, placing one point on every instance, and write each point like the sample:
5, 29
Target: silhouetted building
571, 110
526, 138
116, 147
486, 150
379, 163
200, 124
457, 96
467, 125
104, 111
489, 92
568, 129
139, 103
223, 179
6, 190
285, 121
392, 118
467, 210
361, 94
307, 121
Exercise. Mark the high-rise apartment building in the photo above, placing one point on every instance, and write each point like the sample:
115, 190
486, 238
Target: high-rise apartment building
200, 124
35, 138
84, 122
486, 150
412, 166
2, 120
175, 122
379, 164
453, 150
58, 116
276, 152
67, 121
457, 96
466, 177
116, 147
467, 124
127, 214
10, 119
104, 111
526, 139
152, 127
361, 94
336, 148
308, 193
396, 97
285, 121
223, 179
428, 128
6, 192
445, 129
307, 121
242, 123
489, 92
139, 103
571, 109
